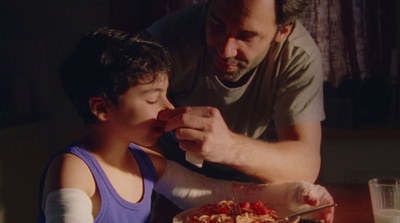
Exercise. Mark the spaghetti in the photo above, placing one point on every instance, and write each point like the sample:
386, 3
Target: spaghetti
221, 212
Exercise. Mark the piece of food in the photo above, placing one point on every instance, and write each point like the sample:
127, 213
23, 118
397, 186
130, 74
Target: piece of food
224, 212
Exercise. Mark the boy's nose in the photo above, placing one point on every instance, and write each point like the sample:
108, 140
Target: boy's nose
168, 105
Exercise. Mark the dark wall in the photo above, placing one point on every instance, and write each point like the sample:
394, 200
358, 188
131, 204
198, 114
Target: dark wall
35, 117
36, 36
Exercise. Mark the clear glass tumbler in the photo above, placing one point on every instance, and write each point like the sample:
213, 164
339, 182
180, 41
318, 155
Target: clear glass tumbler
385, 198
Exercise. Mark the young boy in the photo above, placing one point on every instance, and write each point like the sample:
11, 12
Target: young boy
118, 83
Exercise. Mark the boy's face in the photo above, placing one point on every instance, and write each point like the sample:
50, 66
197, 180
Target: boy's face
135, 117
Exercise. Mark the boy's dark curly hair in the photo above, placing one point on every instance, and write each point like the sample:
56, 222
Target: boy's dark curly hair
107, 62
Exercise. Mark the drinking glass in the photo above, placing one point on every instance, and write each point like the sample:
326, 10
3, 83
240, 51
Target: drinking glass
385, 198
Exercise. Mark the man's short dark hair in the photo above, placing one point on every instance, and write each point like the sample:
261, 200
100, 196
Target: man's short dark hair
107, 62
288, 11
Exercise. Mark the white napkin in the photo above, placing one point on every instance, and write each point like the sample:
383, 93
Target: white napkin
191, 158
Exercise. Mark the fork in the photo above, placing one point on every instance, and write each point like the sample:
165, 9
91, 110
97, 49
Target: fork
236, 207
305, 212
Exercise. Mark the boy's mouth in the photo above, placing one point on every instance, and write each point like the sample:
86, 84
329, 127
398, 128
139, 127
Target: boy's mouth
159, 130
159, 126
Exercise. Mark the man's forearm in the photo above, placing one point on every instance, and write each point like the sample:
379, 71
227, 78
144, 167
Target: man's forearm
287, 160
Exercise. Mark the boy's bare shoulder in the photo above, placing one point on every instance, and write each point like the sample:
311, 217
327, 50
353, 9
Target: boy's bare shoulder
69, 171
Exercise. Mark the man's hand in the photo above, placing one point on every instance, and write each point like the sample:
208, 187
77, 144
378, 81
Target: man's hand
201, 131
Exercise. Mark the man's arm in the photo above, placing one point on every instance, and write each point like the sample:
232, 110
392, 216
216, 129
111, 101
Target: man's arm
202, 131
296, 156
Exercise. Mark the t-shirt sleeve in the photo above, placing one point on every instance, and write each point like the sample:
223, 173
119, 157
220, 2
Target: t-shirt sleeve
299, 96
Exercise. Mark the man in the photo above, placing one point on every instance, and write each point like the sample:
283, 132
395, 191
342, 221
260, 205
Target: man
238, 64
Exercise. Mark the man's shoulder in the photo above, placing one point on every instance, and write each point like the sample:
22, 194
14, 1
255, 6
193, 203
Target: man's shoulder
298, 50
301, 40
298, 56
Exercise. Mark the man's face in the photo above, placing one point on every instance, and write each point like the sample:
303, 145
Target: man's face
239, 34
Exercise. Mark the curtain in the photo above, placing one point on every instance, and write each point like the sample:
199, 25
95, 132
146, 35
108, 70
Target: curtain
339, 29
354, 36
356, 39
349, 34
322, 20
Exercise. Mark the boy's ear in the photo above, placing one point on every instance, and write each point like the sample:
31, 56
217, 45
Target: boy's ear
283, 33
99, 108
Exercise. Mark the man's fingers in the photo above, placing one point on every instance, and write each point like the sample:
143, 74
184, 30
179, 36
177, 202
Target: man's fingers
189, 139
189, 146
202, 111
167, 114
189, 117
189, 134
185, 121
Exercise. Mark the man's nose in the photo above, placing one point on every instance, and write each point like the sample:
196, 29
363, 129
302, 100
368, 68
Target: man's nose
228, 48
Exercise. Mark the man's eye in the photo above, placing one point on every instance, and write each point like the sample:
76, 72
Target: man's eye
247, 36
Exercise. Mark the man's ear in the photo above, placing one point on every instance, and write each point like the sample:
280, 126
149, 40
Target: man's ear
283, 33
99, 108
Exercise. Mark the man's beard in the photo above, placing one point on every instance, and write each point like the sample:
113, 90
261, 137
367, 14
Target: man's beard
237, 77
231, 76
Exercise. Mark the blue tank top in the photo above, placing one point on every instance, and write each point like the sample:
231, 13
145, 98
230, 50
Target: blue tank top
113, 207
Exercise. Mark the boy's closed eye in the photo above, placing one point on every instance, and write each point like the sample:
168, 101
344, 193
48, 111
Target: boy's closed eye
152, 96
152, 101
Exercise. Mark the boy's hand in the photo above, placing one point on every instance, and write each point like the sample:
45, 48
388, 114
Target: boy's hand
305, 196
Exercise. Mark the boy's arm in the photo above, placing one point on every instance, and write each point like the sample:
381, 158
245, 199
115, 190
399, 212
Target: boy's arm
188, 189
69, 184
68, 205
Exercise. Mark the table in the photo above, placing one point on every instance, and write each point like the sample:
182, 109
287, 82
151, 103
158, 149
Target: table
354, 203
